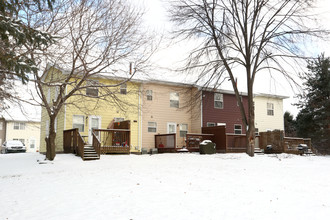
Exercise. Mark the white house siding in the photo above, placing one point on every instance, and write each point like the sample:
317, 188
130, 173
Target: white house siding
30, 134
265, 122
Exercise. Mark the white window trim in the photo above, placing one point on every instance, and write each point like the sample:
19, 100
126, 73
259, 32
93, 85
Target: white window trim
270, 109
241, 130
123, 89
176, 94
149, 95
181, 125
155, 127
83, 122
216, 100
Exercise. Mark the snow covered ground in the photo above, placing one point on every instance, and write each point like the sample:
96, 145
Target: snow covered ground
165, 186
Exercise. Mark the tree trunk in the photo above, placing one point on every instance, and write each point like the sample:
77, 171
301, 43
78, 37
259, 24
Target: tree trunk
50, 140
250, 133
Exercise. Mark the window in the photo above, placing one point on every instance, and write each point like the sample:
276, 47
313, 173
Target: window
19, 126
152, 127
123, 89
92, 91
238, 129
149, 95
210, 124
32, 143
78, 122
256, 131
218, 100
183, 130
174, 100
270, 109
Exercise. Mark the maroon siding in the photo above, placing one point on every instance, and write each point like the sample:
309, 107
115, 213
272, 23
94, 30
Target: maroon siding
230, 114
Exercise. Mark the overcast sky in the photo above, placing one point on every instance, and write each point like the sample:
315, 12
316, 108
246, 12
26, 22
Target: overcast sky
156, 18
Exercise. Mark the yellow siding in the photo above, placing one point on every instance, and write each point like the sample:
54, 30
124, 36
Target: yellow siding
53, 74
107, 110
266, 122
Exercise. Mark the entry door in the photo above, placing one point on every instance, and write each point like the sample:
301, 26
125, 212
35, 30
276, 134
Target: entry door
171, 128
94, 123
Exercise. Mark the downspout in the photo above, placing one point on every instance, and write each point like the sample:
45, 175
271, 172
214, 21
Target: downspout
201, 111
140, 118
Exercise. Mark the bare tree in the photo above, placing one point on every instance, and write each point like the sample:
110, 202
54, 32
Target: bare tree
93, 39
248, 36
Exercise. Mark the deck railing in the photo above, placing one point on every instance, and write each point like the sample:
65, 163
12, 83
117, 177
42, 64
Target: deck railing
73, 142
80, 146
96, 144
113, 140
165, 143
70, 140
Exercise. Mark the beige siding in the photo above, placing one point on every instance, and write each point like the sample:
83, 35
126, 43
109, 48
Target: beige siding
30, 132
158, 110
266, 122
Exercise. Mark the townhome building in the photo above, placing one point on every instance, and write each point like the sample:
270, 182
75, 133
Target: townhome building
85, 112
169, 108
220, 107
268, 112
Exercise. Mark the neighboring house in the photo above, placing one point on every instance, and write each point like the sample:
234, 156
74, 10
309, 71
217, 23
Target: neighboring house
28, 132
220, 107
268, 112
2, 131
167, 107
85, 112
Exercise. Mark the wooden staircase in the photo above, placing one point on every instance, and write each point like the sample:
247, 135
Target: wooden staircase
90, 153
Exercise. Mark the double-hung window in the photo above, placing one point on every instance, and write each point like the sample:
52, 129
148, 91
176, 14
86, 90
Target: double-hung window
238, 129
218, 100
152, 127
183, 130
174, 100
78, 122
270, 109
19, 126
149, 95
91, 89
123, 89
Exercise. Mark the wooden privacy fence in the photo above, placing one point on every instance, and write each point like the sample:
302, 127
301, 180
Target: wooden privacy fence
219, 139
193, 141
166, 143
112, 140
